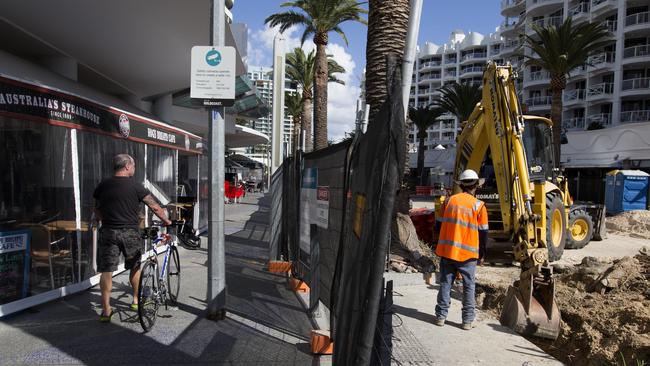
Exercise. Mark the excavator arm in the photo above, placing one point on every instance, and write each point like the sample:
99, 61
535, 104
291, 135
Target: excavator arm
497, 125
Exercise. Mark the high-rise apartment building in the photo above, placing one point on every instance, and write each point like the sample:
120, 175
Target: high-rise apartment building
262, 77
606, 105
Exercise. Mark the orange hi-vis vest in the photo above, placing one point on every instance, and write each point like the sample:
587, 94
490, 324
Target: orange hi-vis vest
462, 217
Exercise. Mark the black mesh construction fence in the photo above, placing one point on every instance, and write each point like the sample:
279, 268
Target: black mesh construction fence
333, 223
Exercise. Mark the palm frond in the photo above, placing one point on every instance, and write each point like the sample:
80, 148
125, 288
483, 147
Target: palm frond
459, 99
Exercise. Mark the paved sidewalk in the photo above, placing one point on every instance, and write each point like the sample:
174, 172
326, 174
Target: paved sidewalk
417, 341
266, 324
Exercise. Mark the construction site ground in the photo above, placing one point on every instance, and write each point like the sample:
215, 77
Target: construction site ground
601, 327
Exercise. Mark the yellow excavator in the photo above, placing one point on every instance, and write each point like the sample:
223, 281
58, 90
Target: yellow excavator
530, 206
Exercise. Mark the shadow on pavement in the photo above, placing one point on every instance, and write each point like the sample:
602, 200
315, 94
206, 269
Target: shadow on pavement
267, 325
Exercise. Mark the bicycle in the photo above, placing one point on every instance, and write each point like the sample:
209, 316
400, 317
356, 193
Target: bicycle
159, 287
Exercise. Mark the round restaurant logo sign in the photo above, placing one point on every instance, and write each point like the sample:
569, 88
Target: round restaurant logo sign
125, 126
213, 58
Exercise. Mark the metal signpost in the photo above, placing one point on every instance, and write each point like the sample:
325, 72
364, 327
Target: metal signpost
213, 86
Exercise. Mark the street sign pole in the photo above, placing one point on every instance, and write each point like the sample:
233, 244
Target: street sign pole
216, 241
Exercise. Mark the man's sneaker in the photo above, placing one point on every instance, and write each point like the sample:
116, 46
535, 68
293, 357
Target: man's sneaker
439, 322
467, 326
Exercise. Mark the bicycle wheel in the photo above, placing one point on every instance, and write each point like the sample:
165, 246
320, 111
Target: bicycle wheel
147, 296
173, 275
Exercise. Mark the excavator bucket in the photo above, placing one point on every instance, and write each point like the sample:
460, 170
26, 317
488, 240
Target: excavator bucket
530, 309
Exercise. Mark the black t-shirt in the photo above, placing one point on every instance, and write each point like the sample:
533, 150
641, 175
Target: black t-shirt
118, 201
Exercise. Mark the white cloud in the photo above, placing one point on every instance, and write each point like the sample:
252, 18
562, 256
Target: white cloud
342, 99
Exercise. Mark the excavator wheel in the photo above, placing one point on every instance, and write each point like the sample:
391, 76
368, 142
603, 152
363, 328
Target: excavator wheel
581, 229
555, 226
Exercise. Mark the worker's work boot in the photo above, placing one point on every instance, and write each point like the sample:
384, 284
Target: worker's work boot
439, 322
467, 326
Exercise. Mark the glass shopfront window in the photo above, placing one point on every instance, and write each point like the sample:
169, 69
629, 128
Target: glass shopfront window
96, 154
37, 212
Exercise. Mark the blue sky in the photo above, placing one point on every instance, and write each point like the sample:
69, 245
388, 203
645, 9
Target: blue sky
439, 18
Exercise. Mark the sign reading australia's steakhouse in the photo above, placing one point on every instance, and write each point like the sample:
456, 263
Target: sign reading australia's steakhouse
21, 100
55, 108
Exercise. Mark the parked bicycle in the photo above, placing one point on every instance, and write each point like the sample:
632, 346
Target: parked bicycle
159, 284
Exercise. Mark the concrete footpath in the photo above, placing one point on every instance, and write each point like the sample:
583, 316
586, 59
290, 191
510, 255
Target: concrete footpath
266, 324
417, 341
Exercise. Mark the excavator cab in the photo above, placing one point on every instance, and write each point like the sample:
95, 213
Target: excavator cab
538, 146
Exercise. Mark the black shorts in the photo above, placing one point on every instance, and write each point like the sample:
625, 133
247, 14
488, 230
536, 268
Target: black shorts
112, 242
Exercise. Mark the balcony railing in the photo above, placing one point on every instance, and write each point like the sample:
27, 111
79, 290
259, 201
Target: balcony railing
430, 77
604, 119
577, 123
466, 70
548, 22
595, 3
450, 61
538, 101
574, 95
635, 116
638, 18
580, 9
600, 59
611, 25
600, 89
539, 75
509, 3
535, 2
474, 55
450, 73
634, 84
637, 51
430, 64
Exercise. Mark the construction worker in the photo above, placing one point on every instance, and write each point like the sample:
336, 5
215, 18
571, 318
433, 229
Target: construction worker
463, 228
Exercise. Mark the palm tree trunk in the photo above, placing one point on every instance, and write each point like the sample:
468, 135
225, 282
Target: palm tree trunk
387, 28
556, 117
421, 160
306, 120
320, 93
296, 133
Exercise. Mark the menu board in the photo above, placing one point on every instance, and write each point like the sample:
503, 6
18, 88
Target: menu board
14, 265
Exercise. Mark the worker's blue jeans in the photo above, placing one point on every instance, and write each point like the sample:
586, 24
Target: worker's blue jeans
448, 269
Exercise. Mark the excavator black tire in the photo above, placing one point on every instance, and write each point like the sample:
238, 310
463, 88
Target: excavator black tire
556, 232
581, 229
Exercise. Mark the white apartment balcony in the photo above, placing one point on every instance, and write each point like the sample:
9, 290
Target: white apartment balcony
580, 11
637, 21
573, 96
600, 6
450, 61
510, 47
546, 22
599, 61
474, 56
638, 86
542, 6
426, 78
636, 54
635, 116
579, 72
429, 64
577, 123
466, 71
514, 6
605, 119
536, 103
600, 91
537, 77
611, 26
450, 74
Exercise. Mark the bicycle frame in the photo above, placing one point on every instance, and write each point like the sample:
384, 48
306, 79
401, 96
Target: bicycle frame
168, 239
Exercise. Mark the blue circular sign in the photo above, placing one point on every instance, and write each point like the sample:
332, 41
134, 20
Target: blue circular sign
213, 58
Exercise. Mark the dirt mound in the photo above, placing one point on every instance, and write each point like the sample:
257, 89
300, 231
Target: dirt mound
632, 223
605, 312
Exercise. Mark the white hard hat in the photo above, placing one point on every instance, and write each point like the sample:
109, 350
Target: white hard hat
468, 174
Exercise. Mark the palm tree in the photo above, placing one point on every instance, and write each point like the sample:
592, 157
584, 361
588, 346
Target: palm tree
319, 18
423, 117
459, 99
300, 69
293, 103
387, 28
559, 50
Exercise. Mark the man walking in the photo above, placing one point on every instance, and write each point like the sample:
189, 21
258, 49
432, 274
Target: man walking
463, 228
117, 206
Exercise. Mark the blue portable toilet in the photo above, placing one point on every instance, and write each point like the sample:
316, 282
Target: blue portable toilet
626, 190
